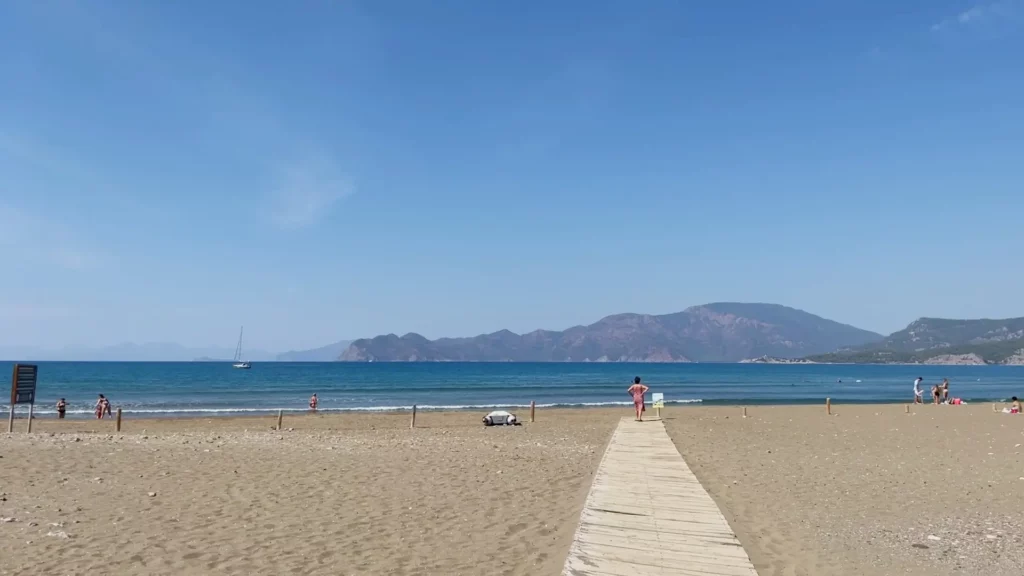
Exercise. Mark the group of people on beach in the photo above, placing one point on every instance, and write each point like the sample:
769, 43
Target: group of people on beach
940, 393
102, 408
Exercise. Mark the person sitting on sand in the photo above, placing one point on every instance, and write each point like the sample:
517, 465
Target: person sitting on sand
62, 406
918, 393
1015, 407
313, 402
102, 406
945, 389
637, 391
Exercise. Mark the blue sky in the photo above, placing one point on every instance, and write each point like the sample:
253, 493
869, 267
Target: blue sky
325, 170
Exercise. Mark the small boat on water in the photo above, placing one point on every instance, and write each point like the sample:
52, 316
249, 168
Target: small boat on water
238, 362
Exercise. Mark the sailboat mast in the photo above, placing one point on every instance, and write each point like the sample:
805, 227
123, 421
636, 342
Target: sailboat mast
238, 349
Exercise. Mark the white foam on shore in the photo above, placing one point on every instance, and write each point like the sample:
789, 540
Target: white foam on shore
396, 408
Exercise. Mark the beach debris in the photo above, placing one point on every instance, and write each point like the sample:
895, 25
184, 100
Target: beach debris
152, 494
921, 546
33, 524
59, 534
934, 538
7, 520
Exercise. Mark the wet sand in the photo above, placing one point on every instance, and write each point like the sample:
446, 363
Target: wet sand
857, 493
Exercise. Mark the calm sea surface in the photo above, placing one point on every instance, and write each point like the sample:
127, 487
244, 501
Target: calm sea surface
175, 389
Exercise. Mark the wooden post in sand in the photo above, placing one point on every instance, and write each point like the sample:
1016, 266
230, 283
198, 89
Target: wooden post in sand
118, 427
10, 421
828, 406
412, 422
280, 415
30, 411
906, 408
994, 409
533, 410
744, 411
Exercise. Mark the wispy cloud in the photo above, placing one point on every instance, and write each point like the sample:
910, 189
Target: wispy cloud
978, 14
226, 97
25, 236
32, 312
307, 191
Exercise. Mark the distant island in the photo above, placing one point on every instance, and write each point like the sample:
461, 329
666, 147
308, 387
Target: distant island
718, 332
941, 341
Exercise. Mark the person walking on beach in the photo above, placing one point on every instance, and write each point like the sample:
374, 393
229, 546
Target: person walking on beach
102, 406
313, 402
62, 406
918, 392
637, 391
945, 390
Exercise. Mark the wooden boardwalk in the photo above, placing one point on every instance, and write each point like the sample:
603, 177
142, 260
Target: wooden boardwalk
647, 514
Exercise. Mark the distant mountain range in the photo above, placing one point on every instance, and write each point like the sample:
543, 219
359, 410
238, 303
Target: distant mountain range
327, 353
720, 332
942, 341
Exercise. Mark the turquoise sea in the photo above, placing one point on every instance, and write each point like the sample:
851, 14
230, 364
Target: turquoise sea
198, 388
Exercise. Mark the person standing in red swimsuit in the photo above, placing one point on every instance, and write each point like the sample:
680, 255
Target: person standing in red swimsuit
637, 391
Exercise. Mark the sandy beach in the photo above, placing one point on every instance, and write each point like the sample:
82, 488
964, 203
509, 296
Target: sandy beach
869, 491
864, 492
343, 494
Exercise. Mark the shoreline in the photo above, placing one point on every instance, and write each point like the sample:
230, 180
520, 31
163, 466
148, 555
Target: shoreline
21, 412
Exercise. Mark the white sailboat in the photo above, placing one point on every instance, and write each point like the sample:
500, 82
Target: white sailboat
238, 362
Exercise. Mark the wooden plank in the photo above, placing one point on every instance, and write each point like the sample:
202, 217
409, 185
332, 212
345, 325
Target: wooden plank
646, 514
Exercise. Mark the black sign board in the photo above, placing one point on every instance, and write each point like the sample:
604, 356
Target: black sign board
23, 384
